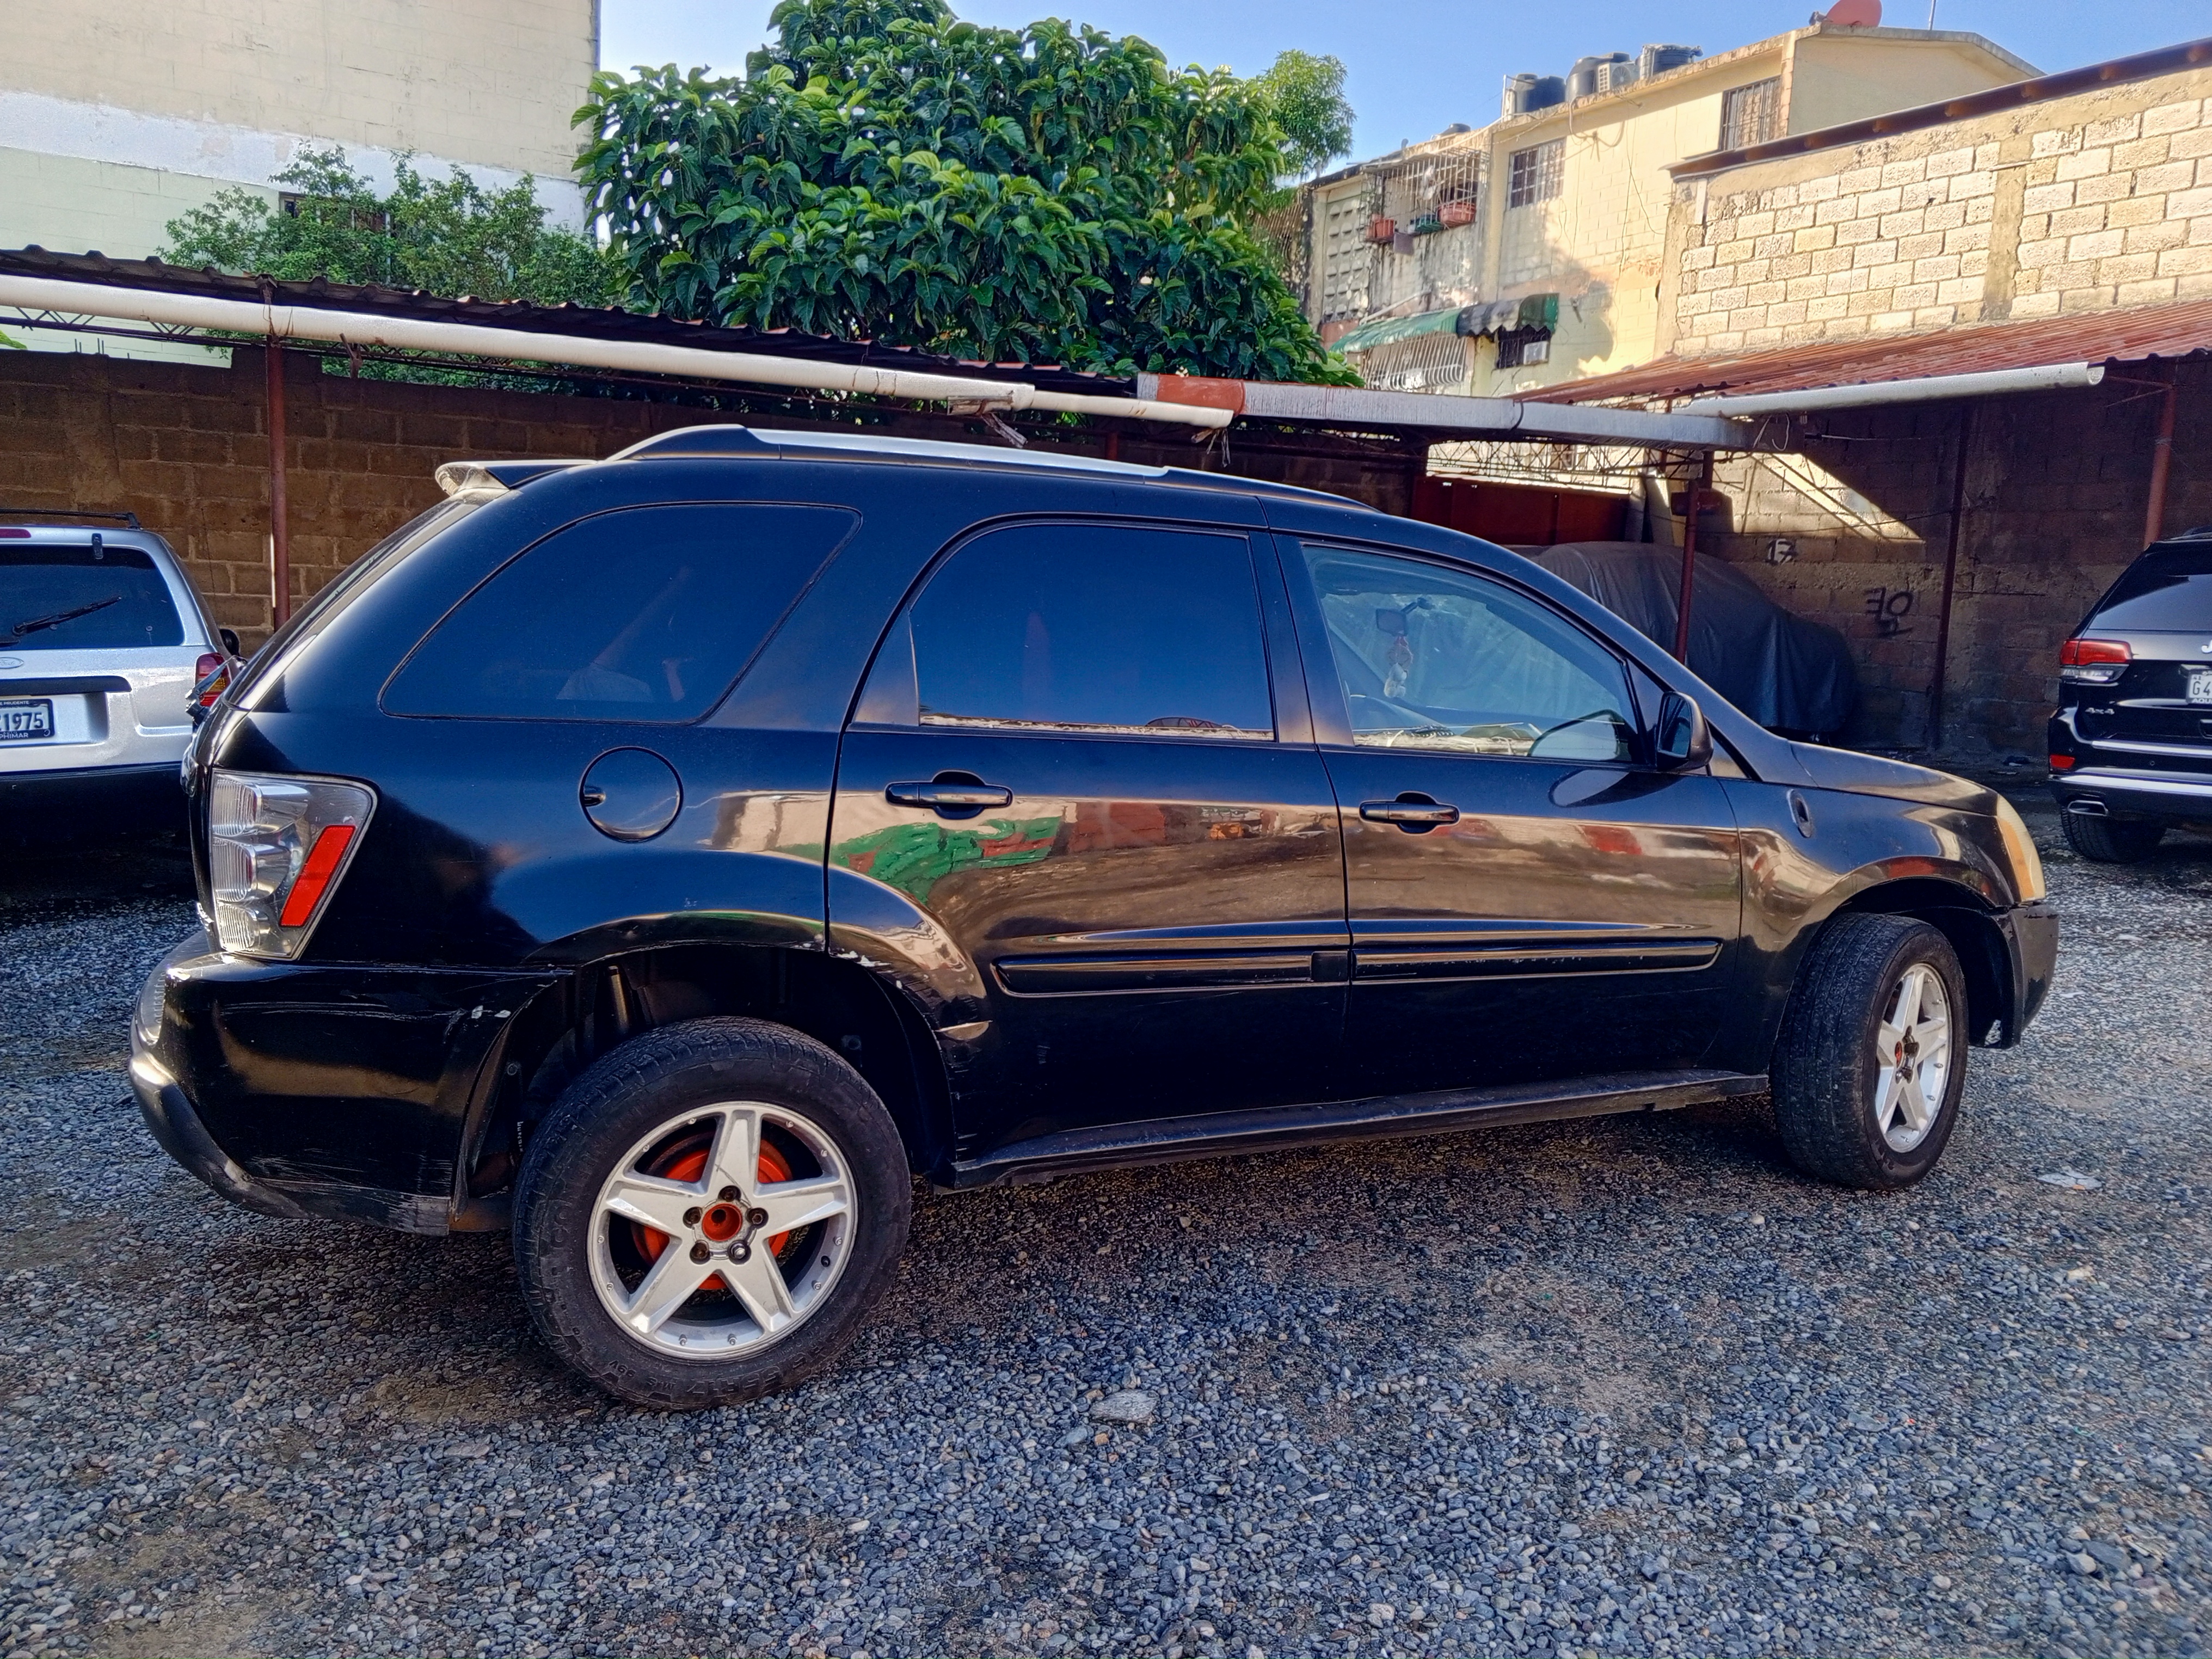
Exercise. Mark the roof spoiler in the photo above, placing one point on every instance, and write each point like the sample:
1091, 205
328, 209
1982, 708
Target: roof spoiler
463, 477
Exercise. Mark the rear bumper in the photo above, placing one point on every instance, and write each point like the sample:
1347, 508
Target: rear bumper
2175, 797
357, 1093
71, 802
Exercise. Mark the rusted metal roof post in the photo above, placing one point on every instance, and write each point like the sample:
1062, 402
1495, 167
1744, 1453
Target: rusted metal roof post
1698, 493
1950, 577
280, 550
2161, 463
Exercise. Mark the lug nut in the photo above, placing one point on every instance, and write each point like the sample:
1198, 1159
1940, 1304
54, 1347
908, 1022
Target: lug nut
728, 1194
690, 1218
741, 1251
757, 1218
700, 1253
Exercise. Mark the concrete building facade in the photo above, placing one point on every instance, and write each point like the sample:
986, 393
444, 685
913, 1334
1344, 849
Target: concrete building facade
1532, 251
116, 118
1956, 542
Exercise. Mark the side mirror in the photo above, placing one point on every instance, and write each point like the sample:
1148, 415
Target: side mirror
230, 641
1682, 742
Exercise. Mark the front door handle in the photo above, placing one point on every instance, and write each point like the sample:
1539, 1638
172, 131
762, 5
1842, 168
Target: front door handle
1411, 812
944, 794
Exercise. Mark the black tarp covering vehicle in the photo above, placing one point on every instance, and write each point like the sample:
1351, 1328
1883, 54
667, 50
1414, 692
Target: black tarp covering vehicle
1790, 675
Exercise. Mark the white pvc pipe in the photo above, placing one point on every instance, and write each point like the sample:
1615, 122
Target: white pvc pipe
285, 322
1926, 389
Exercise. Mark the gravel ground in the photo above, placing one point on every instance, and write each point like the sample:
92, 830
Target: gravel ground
1619, 1386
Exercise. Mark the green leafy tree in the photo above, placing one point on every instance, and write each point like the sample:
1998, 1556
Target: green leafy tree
448, 236
1305, 96
884, 170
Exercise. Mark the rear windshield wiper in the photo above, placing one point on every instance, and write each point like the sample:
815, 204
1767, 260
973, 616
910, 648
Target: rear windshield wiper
60, 617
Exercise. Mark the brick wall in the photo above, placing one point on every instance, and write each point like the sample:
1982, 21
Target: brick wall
2055, 492
186, 448
2078, 204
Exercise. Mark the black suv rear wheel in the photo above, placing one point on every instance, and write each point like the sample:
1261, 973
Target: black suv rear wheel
1872, 1057
709, 1212
2111, 841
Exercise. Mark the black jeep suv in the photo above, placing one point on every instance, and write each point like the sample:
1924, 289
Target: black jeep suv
2131, 741
672, 856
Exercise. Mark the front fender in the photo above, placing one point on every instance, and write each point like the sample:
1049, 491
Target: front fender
1795, 879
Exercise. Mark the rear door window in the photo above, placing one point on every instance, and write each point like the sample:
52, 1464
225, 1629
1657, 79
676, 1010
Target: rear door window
2169, 590
1096, 627
649, 614
87, 598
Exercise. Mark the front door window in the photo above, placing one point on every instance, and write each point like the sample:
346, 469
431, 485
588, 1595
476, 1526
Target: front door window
1432, 659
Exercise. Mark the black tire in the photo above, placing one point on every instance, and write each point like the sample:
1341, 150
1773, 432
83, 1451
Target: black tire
2112, 841
1827, 1072
666, 1080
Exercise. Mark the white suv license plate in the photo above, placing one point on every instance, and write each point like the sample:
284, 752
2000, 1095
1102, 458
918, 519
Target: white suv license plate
22, 718
2200, 685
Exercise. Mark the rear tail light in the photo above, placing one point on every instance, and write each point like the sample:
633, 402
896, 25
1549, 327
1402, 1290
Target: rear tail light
2094, 662
278, 847
2062, 762
210, 677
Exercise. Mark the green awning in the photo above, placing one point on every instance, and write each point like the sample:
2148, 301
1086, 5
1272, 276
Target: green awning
1388, 331
1538, 311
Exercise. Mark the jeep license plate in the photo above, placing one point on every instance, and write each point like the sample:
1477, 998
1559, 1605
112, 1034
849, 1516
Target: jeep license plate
22, 718
2200, 685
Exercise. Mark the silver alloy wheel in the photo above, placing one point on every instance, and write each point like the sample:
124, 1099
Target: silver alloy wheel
1912, 1053
719, 1226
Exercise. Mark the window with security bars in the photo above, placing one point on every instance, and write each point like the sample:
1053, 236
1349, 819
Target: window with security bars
1536, 174
1752, 114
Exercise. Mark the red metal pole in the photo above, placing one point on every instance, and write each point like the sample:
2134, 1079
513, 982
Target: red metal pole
280, 550
1697, 493
2162, 462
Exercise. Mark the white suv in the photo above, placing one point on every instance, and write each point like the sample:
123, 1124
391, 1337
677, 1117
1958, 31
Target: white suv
104, 652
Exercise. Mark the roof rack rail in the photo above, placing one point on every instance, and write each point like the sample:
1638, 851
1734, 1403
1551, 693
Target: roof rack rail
130, 518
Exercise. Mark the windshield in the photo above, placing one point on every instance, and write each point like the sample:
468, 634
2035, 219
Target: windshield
92, 598
2168, 589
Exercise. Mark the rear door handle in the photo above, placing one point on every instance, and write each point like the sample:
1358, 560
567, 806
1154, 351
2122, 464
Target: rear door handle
1409, 812
941, 795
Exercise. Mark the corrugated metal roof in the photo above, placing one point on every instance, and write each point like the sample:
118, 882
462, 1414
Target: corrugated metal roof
2134, 336
589, 322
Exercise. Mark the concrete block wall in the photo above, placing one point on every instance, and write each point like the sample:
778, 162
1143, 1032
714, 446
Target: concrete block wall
2085, 203
2055, 486
186, 448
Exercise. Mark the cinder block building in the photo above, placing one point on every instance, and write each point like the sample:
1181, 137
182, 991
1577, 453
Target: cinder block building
1531, 251
2054, 235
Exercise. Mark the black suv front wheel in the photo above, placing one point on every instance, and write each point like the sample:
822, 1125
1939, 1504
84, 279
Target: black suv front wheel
1872, 1058
709, 1212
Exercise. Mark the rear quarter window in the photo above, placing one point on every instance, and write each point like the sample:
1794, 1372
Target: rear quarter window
2168, 589
87, 598
648, 614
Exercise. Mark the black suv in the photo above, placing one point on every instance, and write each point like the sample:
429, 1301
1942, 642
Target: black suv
672, 856
2131, 741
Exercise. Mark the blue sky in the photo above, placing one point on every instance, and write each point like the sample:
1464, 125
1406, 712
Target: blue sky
1416, 68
